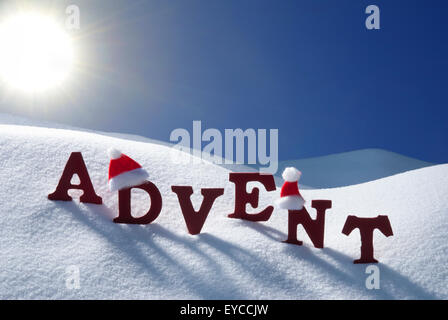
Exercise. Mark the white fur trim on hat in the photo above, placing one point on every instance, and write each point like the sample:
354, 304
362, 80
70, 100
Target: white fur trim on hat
290, 203
128, 179
114, 153
291, 174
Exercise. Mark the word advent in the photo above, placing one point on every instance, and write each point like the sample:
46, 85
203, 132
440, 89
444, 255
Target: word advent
195, 220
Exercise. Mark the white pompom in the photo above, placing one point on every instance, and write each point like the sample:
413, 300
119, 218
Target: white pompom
114, 153
291, 174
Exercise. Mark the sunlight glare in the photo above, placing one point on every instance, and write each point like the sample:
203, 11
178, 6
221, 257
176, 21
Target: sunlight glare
35, 53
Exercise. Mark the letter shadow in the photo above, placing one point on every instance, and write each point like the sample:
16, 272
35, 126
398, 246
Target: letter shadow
393, 285
137, 243
251, 266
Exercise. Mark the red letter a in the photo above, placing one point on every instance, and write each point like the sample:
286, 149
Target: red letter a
75, 165
124, 205
314, 228
366, 227
242, 197
195, 220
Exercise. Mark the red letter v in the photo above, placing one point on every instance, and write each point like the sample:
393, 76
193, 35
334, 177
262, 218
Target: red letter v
195, 220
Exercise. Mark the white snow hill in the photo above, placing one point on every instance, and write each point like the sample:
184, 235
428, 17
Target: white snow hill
349, 168
41, 241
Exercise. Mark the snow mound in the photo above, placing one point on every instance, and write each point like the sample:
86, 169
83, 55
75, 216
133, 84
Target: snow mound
349, 168
231, 259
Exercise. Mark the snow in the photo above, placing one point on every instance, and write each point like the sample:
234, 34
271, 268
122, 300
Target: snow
349, 168
230, 259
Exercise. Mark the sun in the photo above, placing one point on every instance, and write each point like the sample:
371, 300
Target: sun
35, 53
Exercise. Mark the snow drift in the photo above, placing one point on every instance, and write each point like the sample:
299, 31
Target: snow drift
231, 259
349, 168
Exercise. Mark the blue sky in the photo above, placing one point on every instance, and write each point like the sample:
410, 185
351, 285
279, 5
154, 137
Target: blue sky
308, 68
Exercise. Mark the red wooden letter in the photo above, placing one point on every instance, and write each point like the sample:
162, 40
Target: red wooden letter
366, 227
75, 165
314, 228
242, 197
124, 205
195, 220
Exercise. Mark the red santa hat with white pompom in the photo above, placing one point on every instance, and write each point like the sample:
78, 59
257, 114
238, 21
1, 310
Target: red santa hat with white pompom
124, 172
290, 197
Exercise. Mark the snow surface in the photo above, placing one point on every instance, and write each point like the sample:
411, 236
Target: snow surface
349, 168
231, 259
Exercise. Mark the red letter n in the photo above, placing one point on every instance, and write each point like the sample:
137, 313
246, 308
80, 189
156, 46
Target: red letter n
314, 228
75, 165
242, 197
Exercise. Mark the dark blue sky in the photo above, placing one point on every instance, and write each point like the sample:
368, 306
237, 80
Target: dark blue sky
309, 68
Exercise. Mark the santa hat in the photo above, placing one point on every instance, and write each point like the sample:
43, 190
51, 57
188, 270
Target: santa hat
290, 197
124, 172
